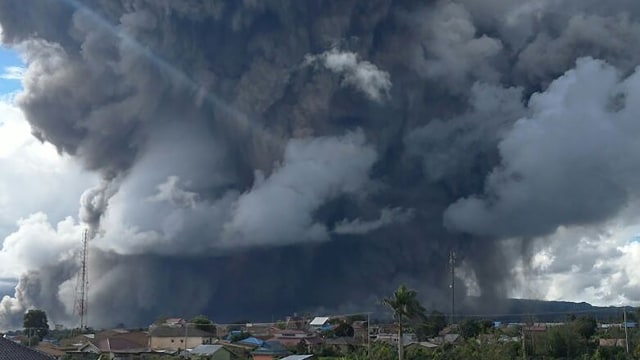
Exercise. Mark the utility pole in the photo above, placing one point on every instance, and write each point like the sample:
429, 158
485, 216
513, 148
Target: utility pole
186, 338
626, 333
524, 347
452, 265
369, 335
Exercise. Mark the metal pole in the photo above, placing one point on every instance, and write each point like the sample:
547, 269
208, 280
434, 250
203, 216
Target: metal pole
186, 328
452, 264
369, 335
524, 348
626, 333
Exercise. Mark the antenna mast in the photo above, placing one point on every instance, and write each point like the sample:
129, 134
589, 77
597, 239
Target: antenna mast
82, 285
452, 264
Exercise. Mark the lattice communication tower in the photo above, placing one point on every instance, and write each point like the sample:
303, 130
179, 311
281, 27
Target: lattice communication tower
82, 284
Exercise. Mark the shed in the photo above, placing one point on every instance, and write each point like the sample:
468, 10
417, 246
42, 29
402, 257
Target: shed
214, 352
319, 321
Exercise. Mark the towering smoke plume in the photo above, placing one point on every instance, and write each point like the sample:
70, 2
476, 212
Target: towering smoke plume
263, 157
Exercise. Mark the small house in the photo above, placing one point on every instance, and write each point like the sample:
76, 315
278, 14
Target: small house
173, 338
10, 350
271, 350
300, 357
319, 322
212, 352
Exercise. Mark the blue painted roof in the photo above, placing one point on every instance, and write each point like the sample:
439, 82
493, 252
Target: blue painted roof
271, 348
235, 333
252, 341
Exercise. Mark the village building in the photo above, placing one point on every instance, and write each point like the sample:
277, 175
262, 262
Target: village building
174, 338
213, 352
10, 350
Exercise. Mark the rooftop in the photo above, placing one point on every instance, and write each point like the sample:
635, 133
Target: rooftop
298, 357
319, 321
271, 348
167, 331
10, 350
207, 349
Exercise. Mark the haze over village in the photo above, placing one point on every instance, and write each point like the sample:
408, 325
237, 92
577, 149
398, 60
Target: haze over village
398, 168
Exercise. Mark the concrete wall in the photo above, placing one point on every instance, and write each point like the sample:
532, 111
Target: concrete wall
177, 342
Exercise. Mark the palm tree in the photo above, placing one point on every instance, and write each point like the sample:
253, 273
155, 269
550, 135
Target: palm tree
404, 305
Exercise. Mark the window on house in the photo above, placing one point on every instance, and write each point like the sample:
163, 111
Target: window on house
171, 340
181, 340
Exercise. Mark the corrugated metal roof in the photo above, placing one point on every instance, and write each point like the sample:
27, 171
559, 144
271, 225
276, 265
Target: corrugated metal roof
206, 349
10, 350
319, 321
271, 348
252, 341
297, 357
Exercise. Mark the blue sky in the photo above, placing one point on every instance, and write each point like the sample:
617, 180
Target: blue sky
26, 201
9, 58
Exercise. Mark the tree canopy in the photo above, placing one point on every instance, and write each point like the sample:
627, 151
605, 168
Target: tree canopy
35, 323
405, 305
585, 326
203, 323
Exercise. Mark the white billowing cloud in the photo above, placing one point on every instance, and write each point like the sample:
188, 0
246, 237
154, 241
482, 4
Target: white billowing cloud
160, 212
465, 272
388, 216
279, 209
14, 131
34, 176
37, 244
571, 162
360, 74
156, 208
13, 73
593, 264
172, 192
41, 188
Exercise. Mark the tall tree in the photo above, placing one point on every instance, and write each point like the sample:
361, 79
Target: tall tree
203, 323
585, 326
432, 325
35, 323
405, 305
469, 328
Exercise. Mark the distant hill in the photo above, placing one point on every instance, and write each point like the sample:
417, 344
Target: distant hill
522, 310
